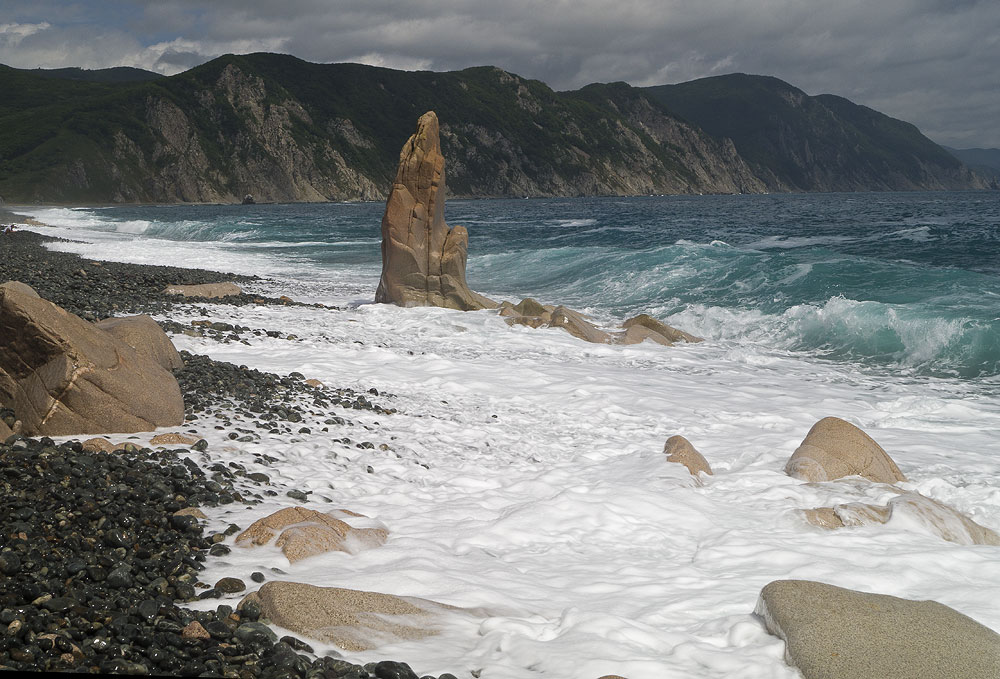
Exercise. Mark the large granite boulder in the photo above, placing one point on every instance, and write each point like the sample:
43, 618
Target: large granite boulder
834, 448
302, 532
146, 336
916, 509
354, 620
423, 260
64, 376
836, 633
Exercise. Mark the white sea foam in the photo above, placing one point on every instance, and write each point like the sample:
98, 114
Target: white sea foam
525, 482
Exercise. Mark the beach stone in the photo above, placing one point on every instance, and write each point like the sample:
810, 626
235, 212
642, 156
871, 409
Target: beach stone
354, 620
209, 290
191, 511
195, 630
64, 376
302, 533
938, 518
5, 431
836, 633
173, 439
835, 448
423, 260
146, 336
678, 449
98, 444
642, 327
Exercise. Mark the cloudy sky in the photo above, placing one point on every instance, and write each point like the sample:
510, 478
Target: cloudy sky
931, 62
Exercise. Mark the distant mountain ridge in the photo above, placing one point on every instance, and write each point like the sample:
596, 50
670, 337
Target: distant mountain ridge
282, 129
798, 142
984, 161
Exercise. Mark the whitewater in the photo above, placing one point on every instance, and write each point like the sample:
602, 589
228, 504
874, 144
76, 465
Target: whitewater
522, 477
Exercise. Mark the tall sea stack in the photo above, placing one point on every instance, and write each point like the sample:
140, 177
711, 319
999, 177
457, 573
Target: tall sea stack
423, 260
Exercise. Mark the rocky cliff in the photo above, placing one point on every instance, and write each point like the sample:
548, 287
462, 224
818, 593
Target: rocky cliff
282, 129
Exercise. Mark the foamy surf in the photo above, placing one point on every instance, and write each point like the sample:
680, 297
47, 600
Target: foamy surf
524, 479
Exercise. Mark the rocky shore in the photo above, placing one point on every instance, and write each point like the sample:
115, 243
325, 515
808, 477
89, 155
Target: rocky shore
96, 561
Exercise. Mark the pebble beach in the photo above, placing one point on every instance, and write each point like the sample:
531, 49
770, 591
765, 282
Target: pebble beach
97, 563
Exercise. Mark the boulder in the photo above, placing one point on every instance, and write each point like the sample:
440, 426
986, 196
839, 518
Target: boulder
173, 439
5, 431
834, 448
836, 633
678, 449
575, 324
354, 620
423, 260
209, 290
305, 532
937, 518
99, 445
146, 336
64, 376
642, 327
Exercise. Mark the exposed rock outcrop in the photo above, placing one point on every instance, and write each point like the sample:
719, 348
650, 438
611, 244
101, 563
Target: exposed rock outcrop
836, 633
305, 532
146, 336
937, 518
354, 620
834, 448
678, 449
533, 314
63, 375
423, 261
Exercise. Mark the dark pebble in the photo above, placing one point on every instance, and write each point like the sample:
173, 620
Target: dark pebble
230, 585
257, 576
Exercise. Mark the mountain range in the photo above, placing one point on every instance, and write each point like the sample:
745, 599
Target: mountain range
282, 129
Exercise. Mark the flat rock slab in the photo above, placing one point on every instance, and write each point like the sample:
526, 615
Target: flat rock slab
836, 633
302, 532
354, 620
209, 290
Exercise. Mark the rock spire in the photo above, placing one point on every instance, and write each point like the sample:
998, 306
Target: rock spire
423, 260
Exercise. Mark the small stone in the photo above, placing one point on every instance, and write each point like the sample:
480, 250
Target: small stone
388, 669
195, 630
230, 585
257, 576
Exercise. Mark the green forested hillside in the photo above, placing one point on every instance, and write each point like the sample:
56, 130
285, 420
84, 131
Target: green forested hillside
283, 129
797, 142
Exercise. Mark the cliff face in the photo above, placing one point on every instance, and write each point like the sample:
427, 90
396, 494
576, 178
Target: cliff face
282, 129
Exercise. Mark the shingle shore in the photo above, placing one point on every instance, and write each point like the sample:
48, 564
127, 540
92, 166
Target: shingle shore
93, 561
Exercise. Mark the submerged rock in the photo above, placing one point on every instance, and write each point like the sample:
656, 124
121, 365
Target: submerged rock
354, 620
836, 633
937, 518
302, 533
423, 260
835, 448
678, 449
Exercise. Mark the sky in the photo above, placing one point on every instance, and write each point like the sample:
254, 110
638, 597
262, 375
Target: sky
933, 63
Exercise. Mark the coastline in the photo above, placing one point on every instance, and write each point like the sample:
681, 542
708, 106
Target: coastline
88, 584
482, 502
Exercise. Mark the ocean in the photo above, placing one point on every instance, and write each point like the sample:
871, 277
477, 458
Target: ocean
524, 478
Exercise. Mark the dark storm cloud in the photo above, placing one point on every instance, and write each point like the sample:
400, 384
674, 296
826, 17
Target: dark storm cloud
931, 62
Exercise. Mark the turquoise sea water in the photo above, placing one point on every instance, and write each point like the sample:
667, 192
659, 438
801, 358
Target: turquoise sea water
907, 283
